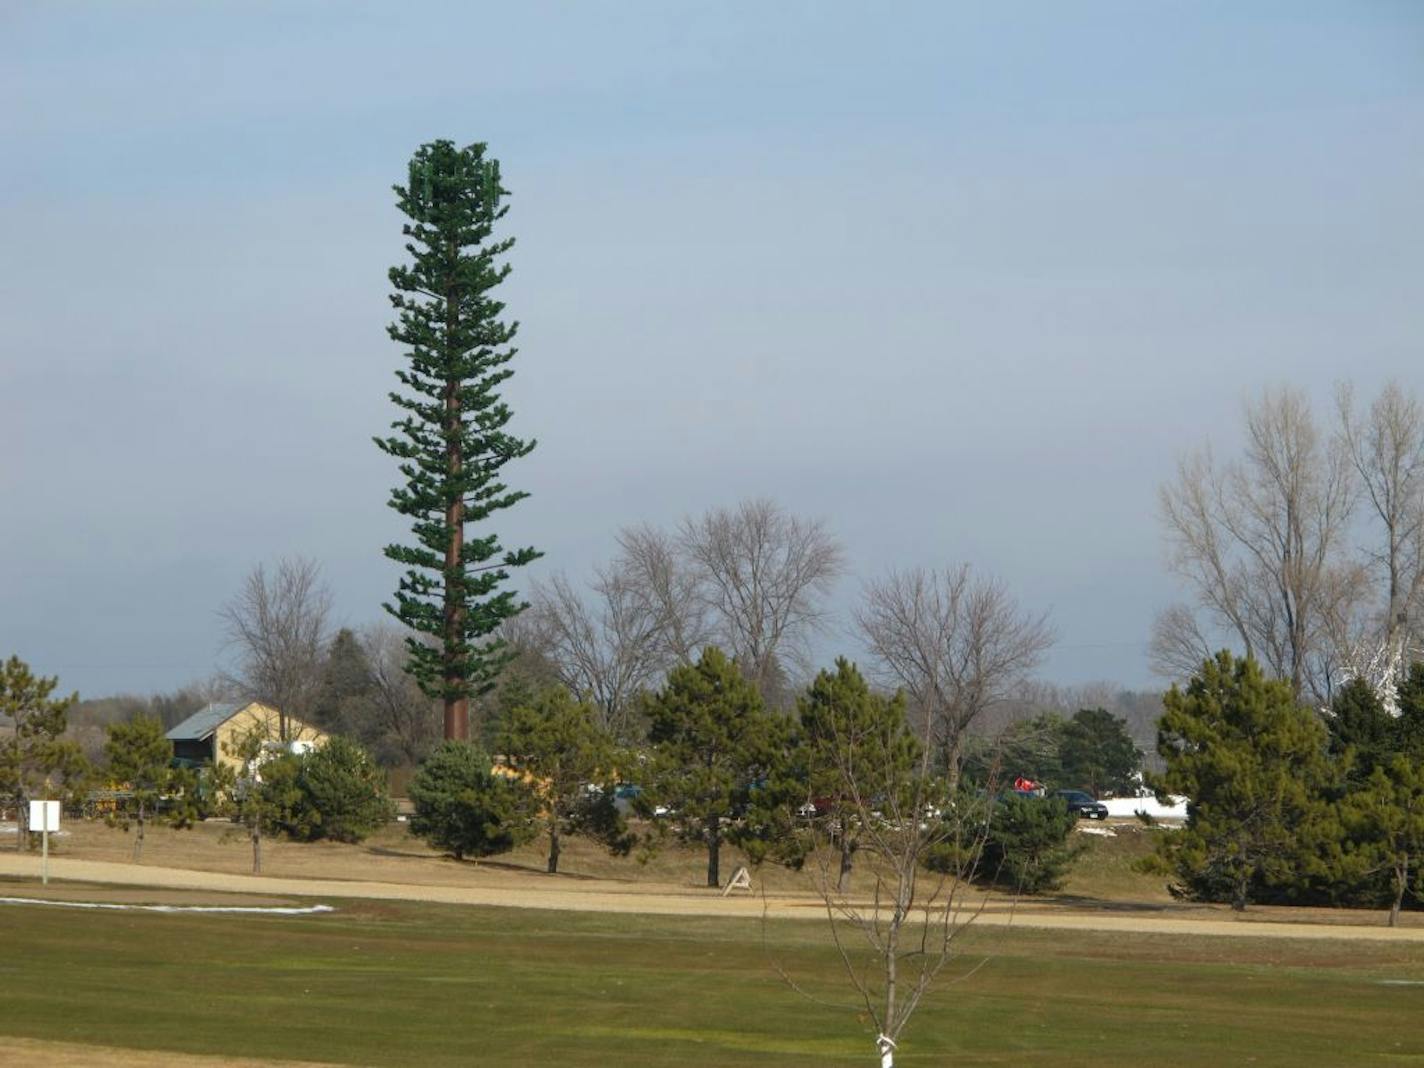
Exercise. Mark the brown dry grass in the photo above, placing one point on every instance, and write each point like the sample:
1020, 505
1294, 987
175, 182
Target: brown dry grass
393, 855
36, 1053
1102, 885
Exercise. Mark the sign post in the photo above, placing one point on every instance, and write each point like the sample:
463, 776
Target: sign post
44, 817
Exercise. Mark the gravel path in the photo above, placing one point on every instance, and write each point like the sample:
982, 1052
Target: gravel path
670, 902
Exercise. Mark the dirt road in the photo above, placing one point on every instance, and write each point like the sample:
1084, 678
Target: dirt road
672, 901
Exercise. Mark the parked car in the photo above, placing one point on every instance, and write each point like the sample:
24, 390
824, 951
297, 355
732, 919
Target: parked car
1083, 803
625, 800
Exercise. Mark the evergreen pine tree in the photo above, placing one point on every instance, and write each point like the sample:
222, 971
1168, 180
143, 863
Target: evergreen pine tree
1360, 729
256, 785
1385, 819
341, 794
558, 743
464, 807
345, 679
35, 757
1253, 765
713, 742
1027, 847
851, 737
1410, 726
1032, 748
451, 442
1098, 753
139, 758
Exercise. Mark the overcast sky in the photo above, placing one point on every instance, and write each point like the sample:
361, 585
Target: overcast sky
960, 279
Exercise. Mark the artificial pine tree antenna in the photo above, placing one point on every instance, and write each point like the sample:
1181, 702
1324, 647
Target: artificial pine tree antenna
450, 439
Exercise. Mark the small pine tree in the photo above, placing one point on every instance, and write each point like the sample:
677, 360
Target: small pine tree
558, 744
1385, 821
1361, 731
1252, 763
1027, 847
260, 792
35, 757
339, 794
1098, 754
1411, 712
345, 679
851, 736
713, 742
139, 764
463, 807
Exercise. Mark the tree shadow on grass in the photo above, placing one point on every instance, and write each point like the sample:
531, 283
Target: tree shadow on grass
1098, 904
486, 862
385, 851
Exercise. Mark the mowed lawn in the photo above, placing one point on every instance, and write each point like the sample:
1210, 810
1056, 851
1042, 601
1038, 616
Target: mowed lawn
409, 984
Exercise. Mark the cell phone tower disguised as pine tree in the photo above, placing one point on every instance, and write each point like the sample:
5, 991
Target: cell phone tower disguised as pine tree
451, 441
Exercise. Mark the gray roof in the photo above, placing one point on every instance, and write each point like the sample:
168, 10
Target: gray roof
202, 723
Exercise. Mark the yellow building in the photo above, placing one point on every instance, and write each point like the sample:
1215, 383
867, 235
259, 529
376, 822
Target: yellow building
207, 735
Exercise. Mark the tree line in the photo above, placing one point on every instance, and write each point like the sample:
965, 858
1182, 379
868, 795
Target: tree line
752, 579
336, 791
1289, 805
717, 767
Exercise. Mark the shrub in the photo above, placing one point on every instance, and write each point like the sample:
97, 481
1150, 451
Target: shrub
1024, 846
337, 792
462, 807
1027, 846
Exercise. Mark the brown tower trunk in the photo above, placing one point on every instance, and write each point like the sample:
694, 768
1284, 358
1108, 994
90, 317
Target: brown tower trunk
457, 709
457, 719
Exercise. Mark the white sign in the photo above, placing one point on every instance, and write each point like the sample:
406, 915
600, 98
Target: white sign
44, 815
741, 880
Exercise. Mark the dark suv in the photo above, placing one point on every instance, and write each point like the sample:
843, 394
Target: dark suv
1084, 804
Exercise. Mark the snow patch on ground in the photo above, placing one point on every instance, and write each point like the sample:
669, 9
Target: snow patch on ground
272, 910
1105, 832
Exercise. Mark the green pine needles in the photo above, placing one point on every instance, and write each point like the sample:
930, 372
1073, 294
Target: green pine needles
451, 441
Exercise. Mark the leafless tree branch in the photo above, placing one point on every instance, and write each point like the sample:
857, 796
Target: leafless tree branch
1385, 445
278, 626
1260, 542
764, 575
956, 643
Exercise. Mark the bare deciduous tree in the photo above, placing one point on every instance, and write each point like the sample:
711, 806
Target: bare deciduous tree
607, 648
394, 715
667, 588
763, 575
642, 614
1260, 543
957, 643
1386, 447
278, 624
896, 938
1178, 644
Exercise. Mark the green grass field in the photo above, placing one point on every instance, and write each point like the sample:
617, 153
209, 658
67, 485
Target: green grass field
408, 984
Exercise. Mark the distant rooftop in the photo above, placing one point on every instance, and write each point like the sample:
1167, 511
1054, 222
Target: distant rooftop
202, 723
